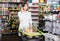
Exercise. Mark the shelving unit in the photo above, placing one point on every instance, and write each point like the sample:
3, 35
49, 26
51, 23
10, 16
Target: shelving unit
8, 7
34, 9
13, 6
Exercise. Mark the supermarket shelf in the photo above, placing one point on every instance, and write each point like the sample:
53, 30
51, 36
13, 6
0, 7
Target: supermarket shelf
55, 12
0, 16
34, 13
10, 2
43, 4
50, 11
3, 8
14, 7
35, 21
35, 3
14, 10
3, 2
34, 6
34, 10
47, 20
14, 2
49, 36
35, 17
3, 15
42, 11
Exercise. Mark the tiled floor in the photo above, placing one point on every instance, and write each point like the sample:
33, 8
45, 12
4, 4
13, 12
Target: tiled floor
15, 38
10, 38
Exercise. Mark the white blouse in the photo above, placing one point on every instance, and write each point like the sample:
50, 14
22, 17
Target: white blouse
25, 19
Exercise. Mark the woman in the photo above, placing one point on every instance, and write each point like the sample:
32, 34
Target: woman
24, 17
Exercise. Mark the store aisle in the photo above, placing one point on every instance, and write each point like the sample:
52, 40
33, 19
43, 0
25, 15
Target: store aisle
15, 37
10, 38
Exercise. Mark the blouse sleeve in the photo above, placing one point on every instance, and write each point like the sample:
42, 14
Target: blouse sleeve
30, 19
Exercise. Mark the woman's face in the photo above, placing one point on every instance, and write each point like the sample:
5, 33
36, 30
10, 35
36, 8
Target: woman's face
25, 7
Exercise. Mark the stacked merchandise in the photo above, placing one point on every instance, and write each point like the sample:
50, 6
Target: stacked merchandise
0, 9
50, 20
9, 0
47, 7
52, 24
48, 26
56, 26
8, 7
43, 8
5, 9
0, 28
34, 9
13, 18
56, 29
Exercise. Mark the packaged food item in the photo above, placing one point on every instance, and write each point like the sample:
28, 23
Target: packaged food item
29, 30
41, 1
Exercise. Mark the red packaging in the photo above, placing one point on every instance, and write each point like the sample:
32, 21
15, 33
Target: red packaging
59, 15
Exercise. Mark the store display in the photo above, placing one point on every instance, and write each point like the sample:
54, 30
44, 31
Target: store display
45, 1
35, 1
18, 0
42, 8
0, 27
13, 26
48, 26
58, 8
34, 9
30, 4
30, 1
0, 5
6, 9
48, 1
41, 1
9, 0
52, 25
48, 21
59, 15
0, 12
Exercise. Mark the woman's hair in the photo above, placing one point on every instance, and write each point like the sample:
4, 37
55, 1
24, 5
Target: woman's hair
24, 2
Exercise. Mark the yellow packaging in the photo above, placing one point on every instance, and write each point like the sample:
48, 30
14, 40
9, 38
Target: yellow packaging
0, 0
41, 1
